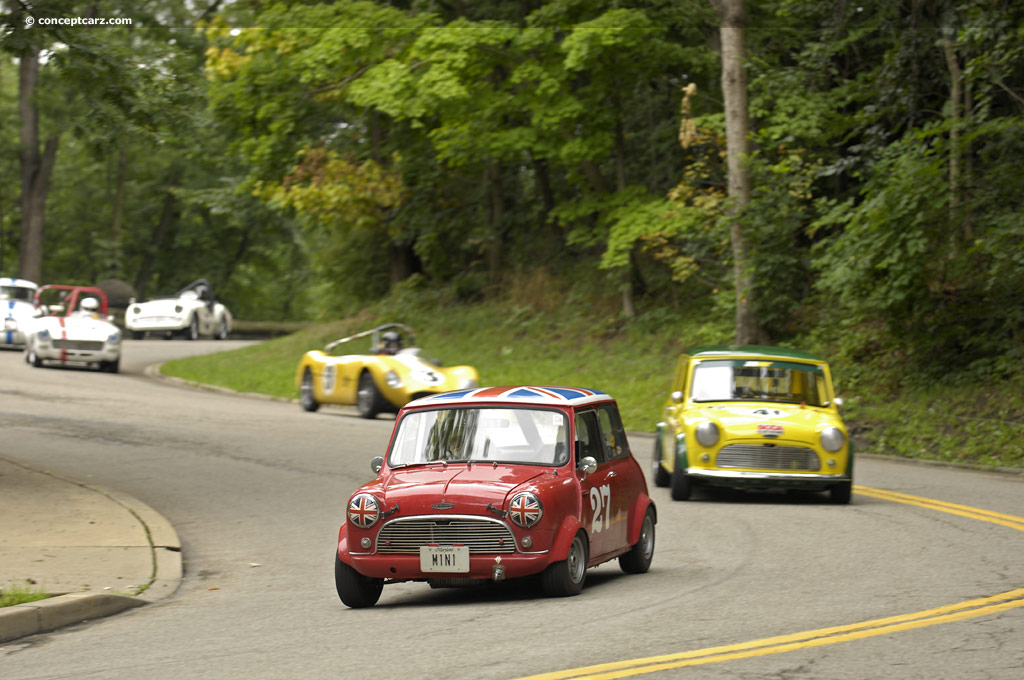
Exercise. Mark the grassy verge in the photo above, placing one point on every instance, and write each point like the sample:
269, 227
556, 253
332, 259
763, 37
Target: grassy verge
15, 594
580, 340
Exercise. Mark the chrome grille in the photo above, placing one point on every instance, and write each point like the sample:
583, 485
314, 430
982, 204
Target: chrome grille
93, 345
768, 457
480, 535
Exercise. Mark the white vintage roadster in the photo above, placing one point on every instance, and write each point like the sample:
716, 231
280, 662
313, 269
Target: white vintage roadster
190, 313
17, 310
76, 331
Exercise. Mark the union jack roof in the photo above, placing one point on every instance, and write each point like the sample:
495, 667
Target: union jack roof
551, 396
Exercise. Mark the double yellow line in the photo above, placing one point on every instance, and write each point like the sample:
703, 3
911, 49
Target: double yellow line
823, 636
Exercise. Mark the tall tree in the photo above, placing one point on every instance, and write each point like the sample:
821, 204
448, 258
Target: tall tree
733, 18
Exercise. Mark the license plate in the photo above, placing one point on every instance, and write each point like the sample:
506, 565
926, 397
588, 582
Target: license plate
444, 558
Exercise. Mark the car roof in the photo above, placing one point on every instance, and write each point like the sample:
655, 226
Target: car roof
516, 395
743, 351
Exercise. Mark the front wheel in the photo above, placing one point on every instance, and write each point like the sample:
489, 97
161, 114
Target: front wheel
354, 589
33, 358
682, 485
368, 398
111, 366
840, 493
565, 578
192, 332
307, 398
222, 330
638, 560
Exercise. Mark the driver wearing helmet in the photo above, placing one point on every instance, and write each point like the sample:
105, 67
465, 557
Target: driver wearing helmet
392, 343
89, 307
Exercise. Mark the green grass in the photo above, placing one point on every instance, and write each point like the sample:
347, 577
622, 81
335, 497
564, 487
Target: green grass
579, 339
15, 594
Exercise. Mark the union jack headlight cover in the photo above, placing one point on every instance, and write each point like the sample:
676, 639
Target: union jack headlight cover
525, 509
363, 510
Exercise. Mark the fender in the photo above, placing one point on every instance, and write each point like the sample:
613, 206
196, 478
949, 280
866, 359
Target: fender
563, 538
636, 517
343, 543
682, 458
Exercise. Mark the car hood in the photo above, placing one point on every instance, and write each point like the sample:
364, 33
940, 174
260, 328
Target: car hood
416, 489
77, 327
17, 309
757, 420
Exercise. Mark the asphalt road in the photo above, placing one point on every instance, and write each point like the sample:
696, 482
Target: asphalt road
256, 490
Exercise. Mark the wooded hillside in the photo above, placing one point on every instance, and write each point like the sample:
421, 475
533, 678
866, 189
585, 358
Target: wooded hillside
311, 157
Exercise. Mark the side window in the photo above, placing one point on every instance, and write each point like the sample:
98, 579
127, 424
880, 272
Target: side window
588, 437
613, 436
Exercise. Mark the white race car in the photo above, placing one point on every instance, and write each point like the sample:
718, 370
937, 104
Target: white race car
17, 310
77, 331
189, 313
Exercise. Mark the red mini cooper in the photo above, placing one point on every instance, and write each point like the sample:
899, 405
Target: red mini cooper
497, 483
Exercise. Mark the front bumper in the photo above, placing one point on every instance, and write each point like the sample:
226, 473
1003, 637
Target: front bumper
767, 480
47, 352
406, 567
156, 323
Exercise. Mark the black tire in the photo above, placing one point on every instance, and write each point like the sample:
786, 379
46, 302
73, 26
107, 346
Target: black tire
33, 358
138, 335
840, 493
111, 366
661, 477
307, 398
354, 589
192, 332
565, 578
222, 330
682, 485
638, 560
368, 398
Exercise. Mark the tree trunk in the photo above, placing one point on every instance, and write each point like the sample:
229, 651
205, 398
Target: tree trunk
732, 16
116, 223
168, 220
36, 169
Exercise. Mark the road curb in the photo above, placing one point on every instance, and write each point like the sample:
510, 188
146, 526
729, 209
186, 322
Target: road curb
68, 609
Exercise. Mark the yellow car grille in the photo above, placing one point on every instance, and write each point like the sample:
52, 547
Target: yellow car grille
480, 535
768, 457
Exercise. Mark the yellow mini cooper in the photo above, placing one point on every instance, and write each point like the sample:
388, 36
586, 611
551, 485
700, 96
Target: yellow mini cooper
749, 417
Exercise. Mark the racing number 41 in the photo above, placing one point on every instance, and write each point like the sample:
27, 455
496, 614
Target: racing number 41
600, 503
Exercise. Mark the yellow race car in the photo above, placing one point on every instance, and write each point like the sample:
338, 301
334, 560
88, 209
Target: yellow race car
753, 418
387, 378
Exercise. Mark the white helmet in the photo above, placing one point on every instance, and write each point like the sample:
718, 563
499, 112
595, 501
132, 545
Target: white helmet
89, 304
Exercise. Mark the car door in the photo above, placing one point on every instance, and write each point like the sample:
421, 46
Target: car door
596, 487
623, 475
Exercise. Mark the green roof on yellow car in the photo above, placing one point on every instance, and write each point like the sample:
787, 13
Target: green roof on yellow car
751, 351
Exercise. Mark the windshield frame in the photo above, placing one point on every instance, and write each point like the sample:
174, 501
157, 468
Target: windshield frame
558, 458
821, 381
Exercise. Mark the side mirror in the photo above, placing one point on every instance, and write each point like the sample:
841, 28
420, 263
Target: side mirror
677, 396
376, 464
587, 466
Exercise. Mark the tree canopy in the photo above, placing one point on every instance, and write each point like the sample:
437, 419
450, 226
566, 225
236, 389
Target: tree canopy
310, 157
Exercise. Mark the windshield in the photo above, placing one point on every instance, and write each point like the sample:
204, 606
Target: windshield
503, 435
16, 293
759, 380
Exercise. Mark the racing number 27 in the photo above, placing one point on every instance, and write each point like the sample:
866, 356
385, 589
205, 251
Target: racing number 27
600, 503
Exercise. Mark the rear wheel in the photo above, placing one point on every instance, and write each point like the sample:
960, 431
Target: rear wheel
661, 478
354, 589
638, 560
307, 398
368, 398
222, 330
565, 578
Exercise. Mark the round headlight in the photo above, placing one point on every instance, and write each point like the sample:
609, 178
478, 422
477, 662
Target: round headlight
136, 310
832, 439
707, 433
114, 338
363, 510
392, 379
179, 309
525, 509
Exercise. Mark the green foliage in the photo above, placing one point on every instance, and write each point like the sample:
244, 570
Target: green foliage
16, 594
